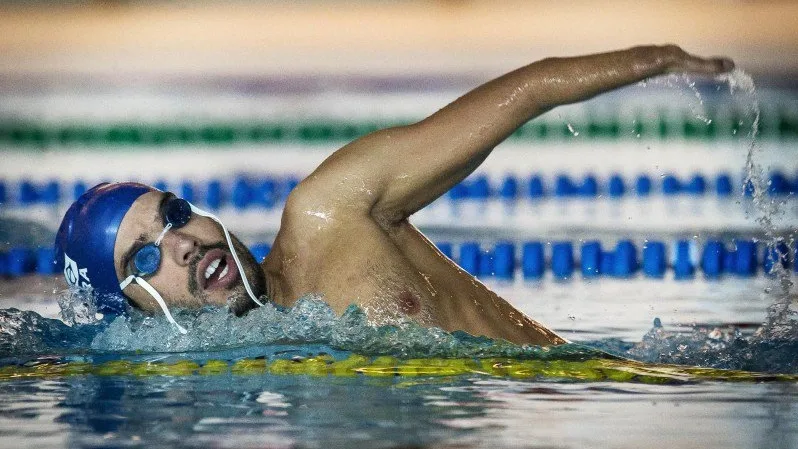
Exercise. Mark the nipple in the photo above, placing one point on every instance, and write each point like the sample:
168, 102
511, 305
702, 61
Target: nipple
408, 303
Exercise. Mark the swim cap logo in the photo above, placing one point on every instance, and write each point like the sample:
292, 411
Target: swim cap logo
73, 274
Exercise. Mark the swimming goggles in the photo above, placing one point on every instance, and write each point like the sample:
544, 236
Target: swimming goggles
176, 212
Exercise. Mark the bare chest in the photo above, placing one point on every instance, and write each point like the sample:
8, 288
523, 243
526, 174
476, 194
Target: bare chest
393, 278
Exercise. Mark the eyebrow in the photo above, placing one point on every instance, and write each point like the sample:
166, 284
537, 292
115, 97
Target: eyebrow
136, 245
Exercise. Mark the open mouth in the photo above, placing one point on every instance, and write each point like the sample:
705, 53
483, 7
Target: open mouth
217, 270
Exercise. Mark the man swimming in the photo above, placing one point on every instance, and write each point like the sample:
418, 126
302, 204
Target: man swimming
345, 232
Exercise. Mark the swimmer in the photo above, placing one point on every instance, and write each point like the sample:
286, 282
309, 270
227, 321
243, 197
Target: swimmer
345, 232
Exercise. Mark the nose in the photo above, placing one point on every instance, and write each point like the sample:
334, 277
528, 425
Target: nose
183, 247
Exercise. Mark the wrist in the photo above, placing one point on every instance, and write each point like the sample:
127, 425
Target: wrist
655, 60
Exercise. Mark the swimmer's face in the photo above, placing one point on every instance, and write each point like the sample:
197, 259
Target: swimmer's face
188, 253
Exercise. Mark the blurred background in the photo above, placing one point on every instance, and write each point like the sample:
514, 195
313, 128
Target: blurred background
388, 38
230, 104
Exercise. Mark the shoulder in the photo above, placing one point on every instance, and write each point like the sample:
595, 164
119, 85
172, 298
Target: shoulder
320, 205
317, 219
313, 226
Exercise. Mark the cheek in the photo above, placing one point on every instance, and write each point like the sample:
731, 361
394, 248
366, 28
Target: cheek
204, 229
172, 283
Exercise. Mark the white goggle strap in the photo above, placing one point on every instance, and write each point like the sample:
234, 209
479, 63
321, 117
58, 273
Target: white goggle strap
154, 293
201, 212
163, 234
126, 282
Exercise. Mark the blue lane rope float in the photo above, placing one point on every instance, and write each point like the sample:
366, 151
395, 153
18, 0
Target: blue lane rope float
532, 260
697, 185
590, 262
562, 260
745, 264
687, 258
78, 189
509, 188
536, 188
187, 192
21, 261
469, 257
269, 191
626, 263
712, 259
723, 185
563, 186
606, 262
45, 261
643, 185
671, 185
504, 260
589, 187
655, 261
617, 187
683, 265
214, 195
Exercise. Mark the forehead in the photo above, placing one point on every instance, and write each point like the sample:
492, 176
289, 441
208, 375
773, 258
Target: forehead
140, 218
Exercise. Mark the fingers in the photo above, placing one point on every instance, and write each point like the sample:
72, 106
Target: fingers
709, 66
678, 60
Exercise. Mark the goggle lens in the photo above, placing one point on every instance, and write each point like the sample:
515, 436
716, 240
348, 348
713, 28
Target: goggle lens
175, 212
147, 260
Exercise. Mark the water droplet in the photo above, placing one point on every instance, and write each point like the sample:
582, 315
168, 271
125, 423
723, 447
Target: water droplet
572, 130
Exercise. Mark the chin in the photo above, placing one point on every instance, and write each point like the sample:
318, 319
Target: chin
240, 303
237, 299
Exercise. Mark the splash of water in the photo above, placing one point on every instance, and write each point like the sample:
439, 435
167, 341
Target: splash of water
782, 319
775, 343
695, 103
310, 322
77, 307
722, 347
572, 130
25, 332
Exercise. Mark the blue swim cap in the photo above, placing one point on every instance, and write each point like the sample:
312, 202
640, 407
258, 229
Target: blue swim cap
84, 245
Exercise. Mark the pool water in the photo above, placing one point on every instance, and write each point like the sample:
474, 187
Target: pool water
304, 378
284, 411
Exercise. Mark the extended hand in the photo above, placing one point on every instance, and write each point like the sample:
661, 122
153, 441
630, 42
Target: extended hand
677, 60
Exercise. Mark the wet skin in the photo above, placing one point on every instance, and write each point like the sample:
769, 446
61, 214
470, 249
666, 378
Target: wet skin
345, 231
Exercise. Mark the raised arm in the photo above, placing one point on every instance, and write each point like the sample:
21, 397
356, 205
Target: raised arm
394, 172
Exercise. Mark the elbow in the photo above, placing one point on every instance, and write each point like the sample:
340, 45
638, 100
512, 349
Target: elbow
388, 217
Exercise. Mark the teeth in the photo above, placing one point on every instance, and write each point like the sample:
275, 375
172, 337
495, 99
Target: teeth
224, 272
212, 268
